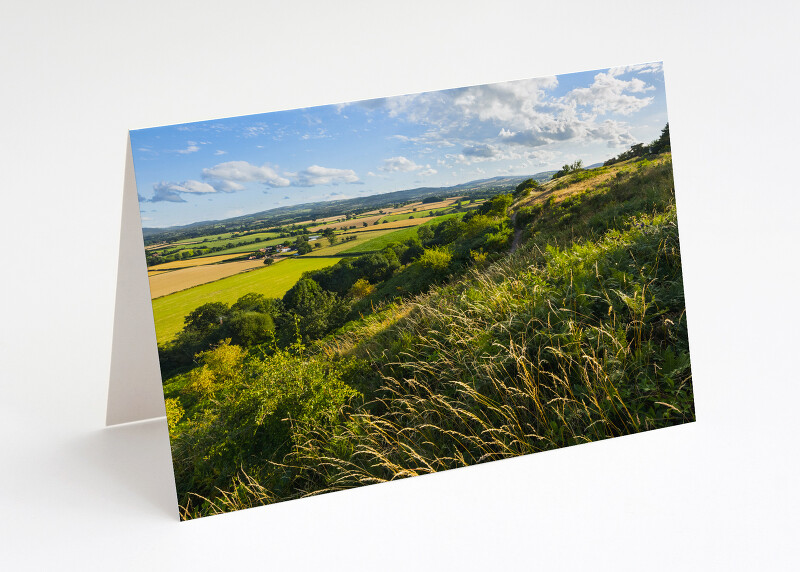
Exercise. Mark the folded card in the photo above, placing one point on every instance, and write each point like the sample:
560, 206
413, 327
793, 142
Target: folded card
356, 293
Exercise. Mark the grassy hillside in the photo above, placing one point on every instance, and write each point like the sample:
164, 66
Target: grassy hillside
577, 334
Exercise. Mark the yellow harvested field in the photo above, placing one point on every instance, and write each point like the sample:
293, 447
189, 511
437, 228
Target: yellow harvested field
418, 205
193, 262
156, 272
402, 223
321, 220
183, 278
427, 207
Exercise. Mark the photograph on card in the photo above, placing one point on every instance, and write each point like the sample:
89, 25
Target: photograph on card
362, 292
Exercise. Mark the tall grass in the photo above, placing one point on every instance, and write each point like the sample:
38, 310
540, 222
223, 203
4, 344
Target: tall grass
577, 336
521, 359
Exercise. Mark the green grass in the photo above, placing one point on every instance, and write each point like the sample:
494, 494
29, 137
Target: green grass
381, 242
272, 281
249, 247
345, 246
225, 240
576, 336
213, 241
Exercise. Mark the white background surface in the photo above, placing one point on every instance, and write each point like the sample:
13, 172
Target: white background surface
717, 494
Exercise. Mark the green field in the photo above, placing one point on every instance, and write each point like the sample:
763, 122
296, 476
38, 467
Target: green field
381, 242
272, 281
342, 246
214, 242
250, 247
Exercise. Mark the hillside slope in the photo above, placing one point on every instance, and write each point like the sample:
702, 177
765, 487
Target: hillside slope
578, 335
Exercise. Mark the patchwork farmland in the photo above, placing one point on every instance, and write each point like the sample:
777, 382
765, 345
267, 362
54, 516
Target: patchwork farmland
223, 266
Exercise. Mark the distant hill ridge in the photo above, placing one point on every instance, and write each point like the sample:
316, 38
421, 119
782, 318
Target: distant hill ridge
321, 209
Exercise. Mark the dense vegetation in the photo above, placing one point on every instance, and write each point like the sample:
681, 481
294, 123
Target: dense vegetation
467, 341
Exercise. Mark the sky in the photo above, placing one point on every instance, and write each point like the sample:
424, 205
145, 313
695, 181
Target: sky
212, 170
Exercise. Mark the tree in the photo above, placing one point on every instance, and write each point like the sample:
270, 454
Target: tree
253, 302
268, 261
206, 318
311, 308
361, 289
425, 233
249, 328
661, 144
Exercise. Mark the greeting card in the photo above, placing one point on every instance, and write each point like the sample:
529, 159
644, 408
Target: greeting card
357, 293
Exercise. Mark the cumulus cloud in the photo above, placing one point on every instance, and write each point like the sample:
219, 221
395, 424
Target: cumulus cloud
316, 175
608, 95
401, 164
220, 152
242, 171
506, 102
525, 112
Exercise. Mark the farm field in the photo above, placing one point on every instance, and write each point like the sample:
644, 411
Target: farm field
357, 222
189, 262
413, 215
183, 278
214, 241
382, 241
402, 223
247, 247
271, 281
342, 245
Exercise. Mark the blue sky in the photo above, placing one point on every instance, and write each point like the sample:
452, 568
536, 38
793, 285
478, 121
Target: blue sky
228, 167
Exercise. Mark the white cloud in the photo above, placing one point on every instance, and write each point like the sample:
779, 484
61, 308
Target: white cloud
227, 186
192, 148
608, 95
506, 102
525, 112
654, 67
193, 187
254, 130
242, 171
427, 171
171, 192
220, 152
316, 175
482, 151
401, 164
